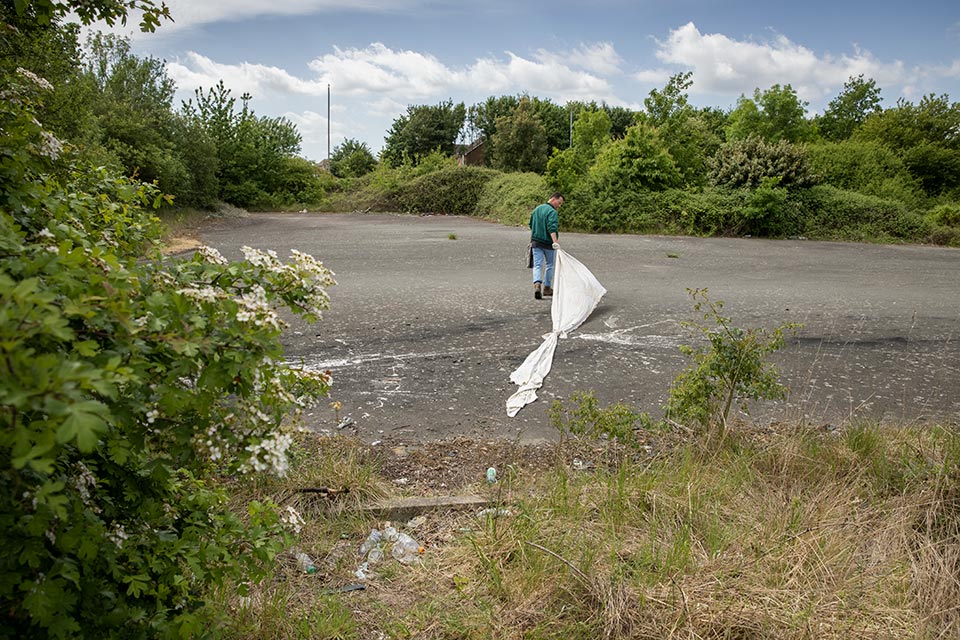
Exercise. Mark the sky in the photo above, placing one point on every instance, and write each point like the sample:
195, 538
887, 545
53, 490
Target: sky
378, 57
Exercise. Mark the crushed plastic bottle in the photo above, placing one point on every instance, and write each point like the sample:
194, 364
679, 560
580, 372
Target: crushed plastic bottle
406, 549
362, 572
305, 563
390, 534
373, 540
491, 475
375, 555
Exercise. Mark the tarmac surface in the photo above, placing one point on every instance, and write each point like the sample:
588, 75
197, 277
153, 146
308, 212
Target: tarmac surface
431, 314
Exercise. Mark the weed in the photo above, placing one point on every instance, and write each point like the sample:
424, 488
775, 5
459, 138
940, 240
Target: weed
732, 368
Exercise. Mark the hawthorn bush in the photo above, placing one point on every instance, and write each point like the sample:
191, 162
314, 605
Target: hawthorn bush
128, 384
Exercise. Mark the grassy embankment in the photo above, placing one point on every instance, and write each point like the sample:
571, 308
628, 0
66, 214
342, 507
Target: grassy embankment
793, 533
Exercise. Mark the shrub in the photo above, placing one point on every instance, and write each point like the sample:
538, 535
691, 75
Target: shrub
828, 212
639, 160
128, 384
453, 191
731, 369
947, 215
745, 163
510, 197
866, 167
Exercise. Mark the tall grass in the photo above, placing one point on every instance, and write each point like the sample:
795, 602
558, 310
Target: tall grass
796, 533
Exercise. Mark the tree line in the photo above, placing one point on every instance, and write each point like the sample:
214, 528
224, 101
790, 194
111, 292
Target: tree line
764, 167
117, 110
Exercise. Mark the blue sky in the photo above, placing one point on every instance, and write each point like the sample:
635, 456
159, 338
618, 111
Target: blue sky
379, 57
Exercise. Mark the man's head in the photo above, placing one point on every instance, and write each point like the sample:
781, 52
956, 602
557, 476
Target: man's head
556, 200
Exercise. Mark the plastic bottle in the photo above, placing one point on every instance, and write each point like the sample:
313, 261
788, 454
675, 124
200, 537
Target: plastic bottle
406, 549
373, 540
491, 475
390, 533
375, 555
305, 563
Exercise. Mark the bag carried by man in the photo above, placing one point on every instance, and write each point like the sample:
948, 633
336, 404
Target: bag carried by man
530, 255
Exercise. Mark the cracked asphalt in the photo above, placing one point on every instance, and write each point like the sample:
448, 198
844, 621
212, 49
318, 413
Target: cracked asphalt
431, 314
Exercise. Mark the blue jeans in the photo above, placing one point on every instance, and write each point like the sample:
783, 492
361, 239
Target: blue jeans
543, 260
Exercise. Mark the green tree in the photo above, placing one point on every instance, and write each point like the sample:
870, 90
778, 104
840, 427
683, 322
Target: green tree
43, 12
859, 99
481, 120
639, 161
925, 136
132, 103
591, 131
556, 123
252, 152
689, 139
775, 114
520, 143
620, 118
352, 159
424, 128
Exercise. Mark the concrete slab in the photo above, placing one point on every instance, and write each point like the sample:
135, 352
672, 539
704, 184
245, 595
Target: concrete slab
401, 509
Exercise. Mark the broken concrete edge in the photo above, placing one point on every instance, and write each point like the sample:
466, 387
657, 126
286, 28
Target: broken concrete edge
407, 508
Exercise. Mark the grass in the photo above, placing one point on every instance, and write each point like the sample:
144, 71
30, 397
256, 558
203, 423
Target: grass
786, 533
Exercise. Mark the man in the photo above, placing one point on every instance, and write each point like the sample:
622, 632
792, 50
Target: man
544, 226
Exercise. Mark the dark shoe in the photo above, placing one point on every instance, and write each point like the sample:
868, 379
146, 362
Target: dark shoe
536, 291
547, 291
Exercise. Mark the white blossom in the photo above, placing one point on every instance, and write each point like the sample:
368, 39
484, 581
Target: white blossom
254, 308
35, 79
50, 145
270, 455
211, 255
291, 518
257, 258
202, 294
118, 535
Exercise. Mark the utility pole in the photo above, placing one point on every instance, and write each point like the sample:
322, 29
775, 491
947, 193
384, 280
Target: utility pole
328, 122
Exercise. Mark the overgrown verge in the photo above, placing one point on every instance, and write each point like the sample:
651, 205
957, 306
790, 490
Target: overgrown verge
789, 532
767, 209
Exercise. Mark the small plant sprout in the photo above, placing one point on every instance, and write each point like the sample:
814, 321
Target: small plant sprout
451, 236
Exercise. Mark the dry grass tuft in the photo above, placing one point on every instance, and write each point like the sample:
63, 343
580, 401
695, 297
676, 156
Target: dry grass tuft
790, 533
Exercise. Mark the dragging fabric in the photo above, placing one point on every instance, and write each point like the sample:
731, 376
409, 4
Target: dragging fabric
576, 294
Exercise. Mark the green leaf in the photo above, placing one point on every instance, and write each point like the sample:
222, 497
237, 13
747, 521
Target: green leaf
87, 348
83, 424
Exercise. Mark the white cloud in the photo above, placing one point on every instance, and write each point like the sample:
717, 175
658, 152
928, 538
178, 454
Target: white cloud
404, 76
193, 14
200, 71
724, 66
378, 69
599, 58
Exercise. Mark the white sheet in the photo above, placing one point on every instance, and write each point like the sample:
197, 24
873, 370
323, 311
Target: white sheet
576, 294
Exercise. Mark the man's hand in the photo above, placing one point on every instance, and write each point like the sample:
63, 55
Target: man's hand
556, 245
